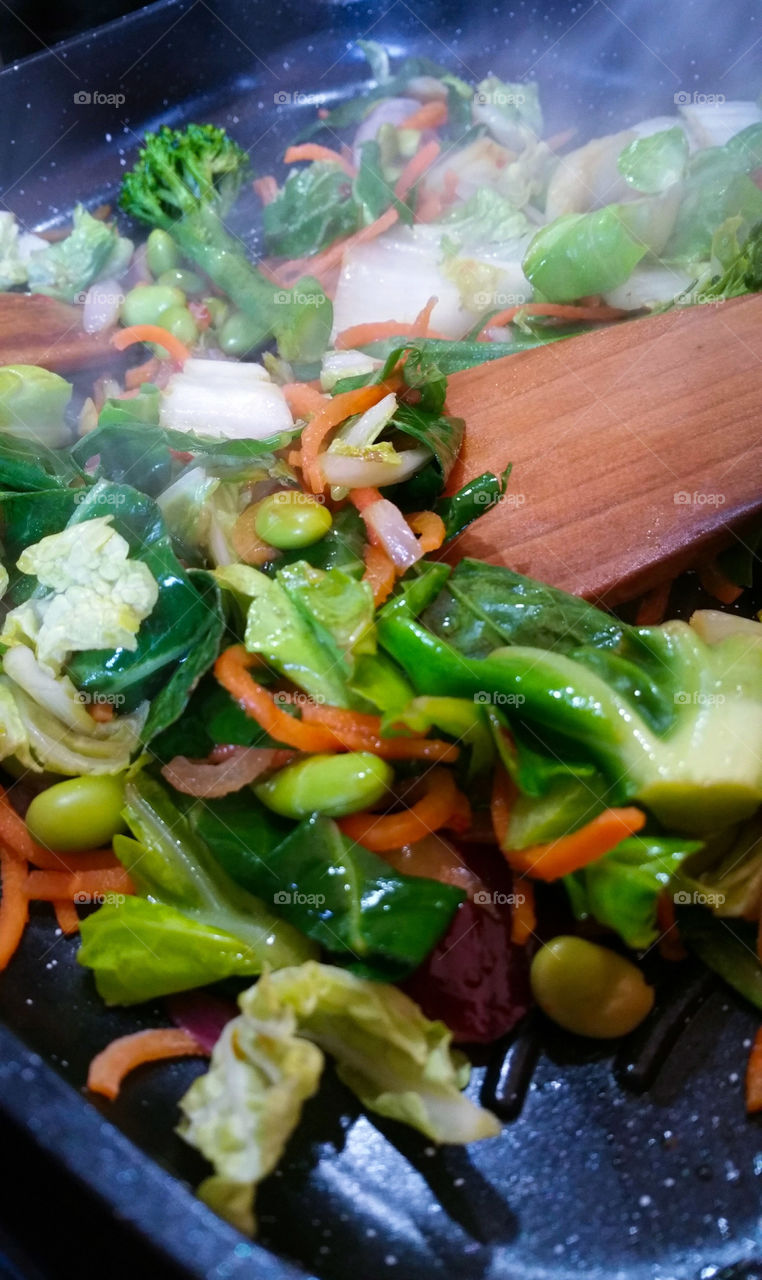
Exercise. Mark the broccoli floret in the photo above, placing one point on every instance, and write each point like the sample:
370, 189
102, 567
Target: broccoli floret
186, 181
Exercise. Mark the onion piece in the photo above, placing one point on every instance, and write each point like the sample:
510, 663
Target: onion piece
387, 525
102, 302
389, 111
204, 1016
208, 781
435, 858
366, 429
368, 472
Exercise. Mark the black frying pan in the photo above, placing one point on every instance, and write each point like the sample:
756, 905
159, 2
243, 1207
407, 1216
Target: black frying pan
641, 1166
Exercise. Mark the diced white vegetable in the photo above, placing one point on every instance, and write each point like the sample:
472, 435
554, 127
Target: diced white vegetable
393, 532
648, 285
225, 399
392, 278
712, 124
102, 302
713, 626
345, 364
362, 473
368, 426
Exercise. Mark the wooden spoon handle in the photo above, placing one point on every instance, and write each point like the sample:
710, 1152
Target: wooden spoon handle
35, 329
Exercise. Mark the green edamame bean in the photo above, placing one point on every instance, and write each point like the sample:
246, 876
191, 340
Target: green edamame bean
239, 333
218, 311
326, 784
291, 519
80, 813
179, 277
148, 302
162, 254
588, 989
180, 322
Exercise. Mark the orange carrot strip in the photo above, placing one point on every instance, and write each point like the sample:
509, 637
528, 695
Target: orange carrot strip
314, 151
556, 310
449, 186
396, 829
430, 529
714, 581
523, 914
328, 260
66, 915
140, 373
557, 140
174, 348
14, 905
432, 115
359, 335
73, 863
15, 838
330, 415
430, 206
362, 497
423, 319
109, 1067
653, 606
416, 167
232, 671
754, 1075
569, 853
47, 886
380, 573
266, 188
302, 399
359, 731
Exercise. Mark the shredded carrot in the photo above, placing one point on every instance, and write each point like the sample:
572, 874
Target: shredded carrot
47, 886
14, 905
322, 264
523, 914
713, 581
653, 605
359, 731
423, 319
556, 311
328, 416
232, 671
266, 188
359, 335
303, 399
754, 1075
174, 348
503, 793
109, 1067
314, 151
430, 529
430, 206
557, 140
396, 829
363, 497
66, 915
140, 373
14, 835
432, 115
568, 853
380, 573
415, 168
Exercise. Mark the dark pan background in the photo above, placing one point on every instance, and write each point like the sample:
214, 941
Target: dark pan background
594, 1180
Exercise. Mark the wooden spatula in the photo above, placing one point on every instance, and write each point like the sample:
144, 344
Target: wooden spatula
35, 329
636, 449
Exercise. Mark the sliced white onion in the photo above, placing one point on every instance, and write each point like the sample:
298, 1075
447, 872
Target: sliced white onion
363, 473
713, 626
392, 530
712, 124
390, 111
102, 302
230, 400
345, 364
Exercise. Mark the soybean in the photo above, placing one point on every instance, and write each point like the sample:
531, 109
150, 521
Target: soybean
180, 322
332, 785
181, 278
147, 303
589, 989
162, 254
291, 519
80, 813
239, 333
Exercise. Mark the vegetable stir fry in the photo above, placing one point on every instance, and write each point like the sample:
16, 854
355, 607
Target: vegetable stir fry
258, 726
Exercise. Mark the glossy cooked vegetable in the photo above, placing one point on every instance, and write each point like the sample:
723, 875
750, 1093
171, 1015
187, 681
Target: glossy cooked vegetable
290, 520
588, 989
81, 813
332, 785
